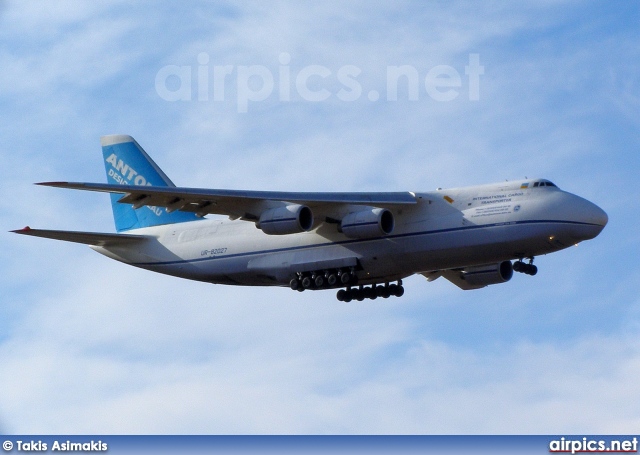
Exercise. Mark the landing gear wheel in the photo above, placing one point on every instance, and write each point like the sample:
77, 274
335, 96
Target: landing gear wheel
527, 269
332, 279
306, 282
369, 293
378, 290
384, 292
319, 281
294, 284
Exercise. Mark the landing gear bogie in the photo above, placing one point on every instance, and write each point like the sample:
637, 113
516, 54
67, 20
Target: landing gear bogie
370, 292
323, 279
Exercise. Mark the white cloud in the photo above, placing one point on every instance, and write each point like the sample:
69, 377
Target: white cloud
127, 351
74, 47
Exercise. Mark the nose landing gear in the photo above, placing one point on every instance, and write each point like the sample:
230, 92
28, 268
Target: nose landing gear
522, 267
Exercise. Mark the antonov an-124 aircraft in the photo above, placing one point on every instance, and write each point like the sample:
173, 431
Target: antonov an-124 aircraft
362, 244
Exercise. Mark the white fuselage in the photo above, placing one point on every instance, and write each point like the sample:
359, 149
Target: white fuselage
446, 229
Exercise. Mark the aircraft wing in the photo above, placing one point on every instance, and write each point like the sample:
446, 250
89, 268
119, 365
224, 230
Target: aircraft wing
87, 238
247, 205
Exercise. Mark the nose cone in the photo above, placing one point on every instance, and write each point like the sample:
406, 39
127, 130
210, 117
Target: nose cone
598, 216
589, 218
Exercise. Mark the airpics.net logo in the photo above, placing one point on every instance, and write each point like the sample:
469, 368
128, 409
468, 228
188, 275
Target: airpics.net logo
205, 82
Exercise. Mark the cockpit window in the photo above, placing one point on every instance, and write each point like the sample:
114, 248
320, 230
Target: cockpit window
544, 183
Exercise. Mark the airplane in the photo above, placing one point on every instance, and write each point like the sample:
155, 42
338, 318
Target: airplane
362, 244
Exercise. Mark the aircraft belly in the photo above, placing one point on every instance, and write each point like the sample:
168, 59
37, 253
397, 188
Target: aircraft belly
250, 257
480, 245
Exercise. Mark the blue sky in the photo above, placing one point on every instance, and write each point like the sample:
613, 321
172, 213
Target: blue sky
89, 345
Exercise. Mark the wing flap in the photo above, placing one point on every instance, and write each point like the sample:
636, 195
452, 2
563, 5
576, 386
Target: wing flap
87, 238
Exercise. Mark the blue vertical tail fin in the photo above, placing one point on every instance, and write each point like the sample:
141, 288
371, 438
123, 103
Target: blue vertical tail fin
126, 163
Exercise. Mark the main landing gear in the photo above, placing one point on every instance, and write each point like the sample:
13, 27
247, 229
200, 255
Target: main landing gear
370, 292
337, 278
522, 267
324, 279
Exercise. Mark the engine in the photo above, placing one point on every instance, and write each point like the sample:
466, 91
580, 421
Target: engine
367, 223
483, 275
286, 220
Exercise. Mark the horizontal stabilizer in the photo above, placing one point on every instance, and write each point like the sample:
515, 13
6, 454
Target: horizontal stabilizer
87, 238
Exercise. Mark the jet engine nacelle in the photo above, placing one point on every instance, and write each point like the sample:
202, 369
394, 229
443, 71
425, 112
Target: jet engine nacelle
367, 223
483, 275
286, 220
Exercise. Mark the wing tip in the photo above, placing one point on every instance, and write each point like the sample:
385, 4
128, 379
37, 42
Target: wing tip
24, 230
52, 183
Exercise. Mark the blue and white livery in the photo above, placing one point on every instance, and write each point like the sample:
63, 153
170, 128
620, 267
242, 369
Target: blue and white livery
362, 244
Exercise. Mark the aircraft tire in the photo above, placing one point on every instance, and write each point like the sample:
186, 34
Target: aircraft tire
332, 279
368, 293
375, 292
306, 282
319, 281
294, 284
